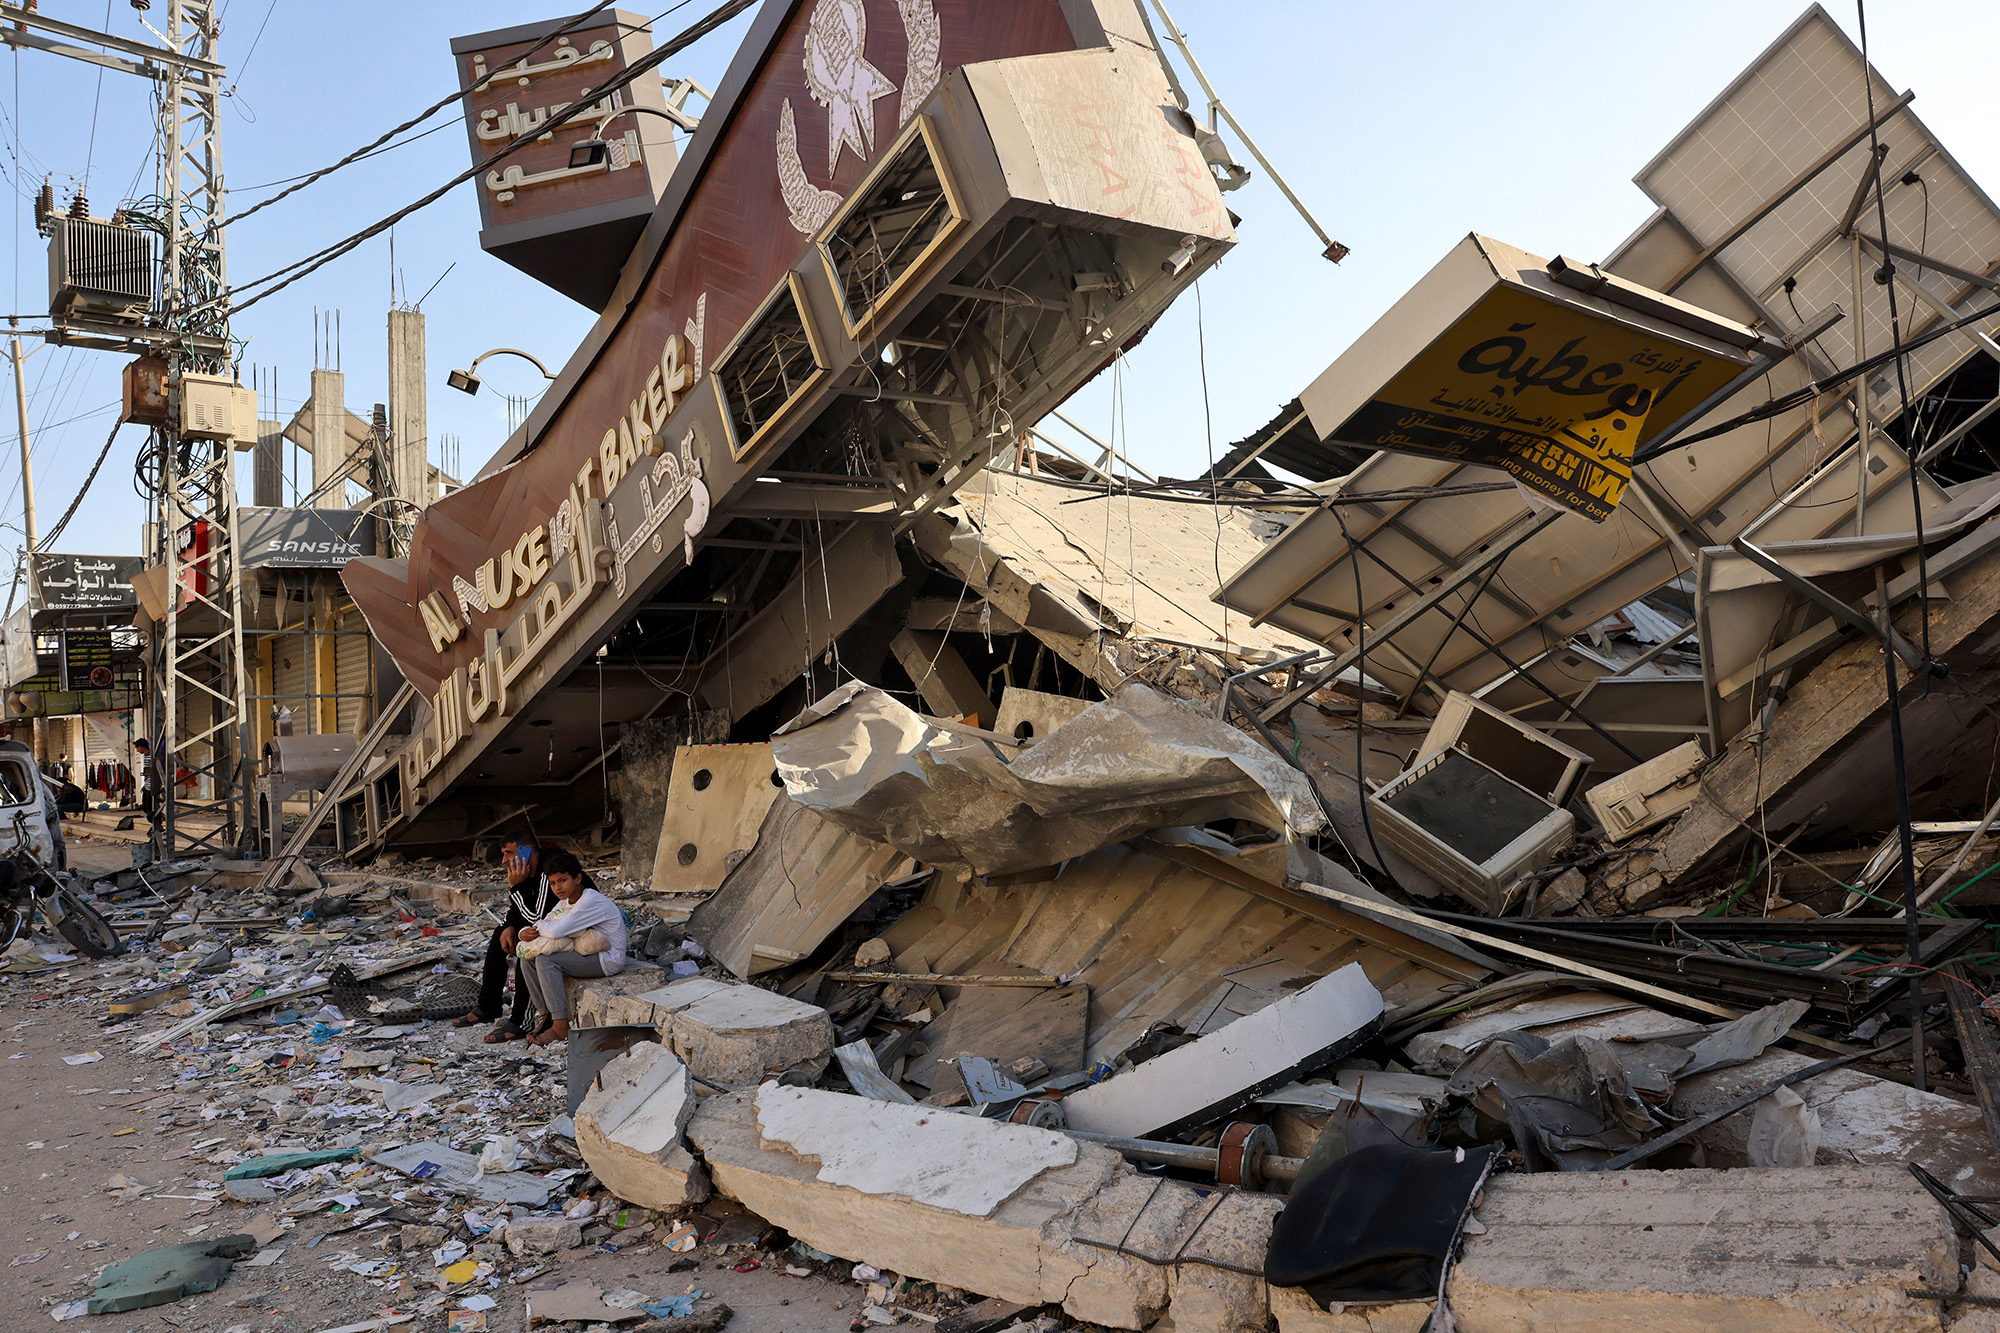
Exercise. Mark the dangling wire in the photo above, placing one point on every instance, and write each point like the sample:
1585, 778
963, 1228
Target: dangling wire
1215, 482
1886, 277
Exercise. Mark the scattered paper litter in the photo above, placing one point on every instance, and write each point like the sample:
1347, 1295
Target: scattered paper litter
88, 1057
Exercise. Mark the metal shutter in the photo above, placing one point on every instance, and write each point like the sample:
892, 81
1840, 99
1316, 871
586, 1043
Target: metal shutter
291, 677
351, 676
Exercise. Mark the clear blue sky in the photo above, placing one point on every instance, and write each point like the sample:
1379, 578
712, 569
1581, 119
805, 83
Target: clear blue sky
1403, 126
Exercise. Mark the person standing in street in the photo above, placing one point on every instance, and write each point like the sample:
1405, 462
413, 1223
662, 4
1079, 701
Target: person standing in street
149, 780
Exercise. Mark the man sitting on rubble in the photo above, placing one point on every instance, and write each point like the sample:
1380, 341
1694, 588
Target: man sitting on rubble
595, 930
528, 901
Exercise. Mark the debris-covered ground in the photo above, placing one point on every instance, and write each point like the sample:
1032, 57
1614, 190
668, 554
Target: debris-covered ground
266, 1127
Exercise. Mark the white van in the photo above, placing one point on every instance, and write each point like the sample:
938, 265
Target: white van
28, 794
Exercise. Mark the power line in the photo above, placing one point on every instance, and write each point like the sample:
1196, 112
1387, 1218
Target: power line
286, 276
253, 44
386, 148
97, 103
418, 119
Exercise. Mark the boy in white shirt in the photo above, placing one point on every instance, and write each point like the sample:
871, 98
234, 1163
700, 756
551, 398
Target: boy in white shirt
587, 910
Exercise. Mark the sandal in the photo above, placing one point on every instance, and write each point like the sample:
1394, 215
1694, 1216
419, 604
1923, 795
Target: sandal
471, 1020
504, 1032
548, 1036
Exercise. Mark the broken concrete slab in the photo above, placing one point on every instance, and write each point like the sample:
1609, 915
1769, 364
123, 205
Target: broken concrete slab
629, 1129
803, 877
1825, 1250
1209, 1247
946, 1161
715, 800
156, 1277
1019, 1251
1140, 760
731, 1032
1235, 1064
603, 1001
1862, 1119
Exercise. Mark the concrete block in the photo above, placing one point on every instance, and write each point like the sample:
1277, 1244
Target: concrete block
1814, 1250
603, 1001
1195, 1239
1020, 1251
879, 1147
629, 1129
736, 1033
1230, 1066
543, 1235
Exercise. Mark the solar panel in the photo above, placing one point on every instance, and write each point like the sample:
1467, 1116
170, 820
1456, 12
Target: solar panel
1796, 117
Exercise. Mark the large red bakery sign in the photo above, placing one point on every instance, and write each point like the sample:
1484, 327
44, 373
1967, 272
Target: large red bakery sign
833, 82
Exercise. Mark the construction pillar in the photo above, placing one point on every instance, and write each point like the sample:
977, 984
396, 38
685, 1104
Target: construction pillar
267, 482
409, 427
329, 436
325, 661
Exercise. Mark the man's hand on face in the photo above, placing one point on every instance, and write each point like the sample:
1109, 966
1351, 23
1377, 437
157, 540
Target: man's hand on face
514, 863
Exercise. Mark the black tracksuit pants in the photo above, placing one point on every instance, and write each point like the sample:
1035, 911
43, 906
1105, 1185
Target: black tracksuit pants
493, 983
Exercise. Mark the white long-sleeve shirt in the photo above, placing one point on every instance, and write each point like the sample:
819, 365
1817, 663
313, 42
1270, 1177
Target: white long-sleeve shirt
591, 909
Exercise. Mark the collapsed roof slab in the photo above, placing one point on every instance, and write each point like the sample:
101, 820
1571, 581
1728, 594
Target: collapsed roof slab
1106, 581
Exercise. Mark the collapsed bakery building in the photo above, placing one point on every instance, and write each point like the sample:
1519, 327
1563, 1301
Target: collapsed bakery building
1507, 845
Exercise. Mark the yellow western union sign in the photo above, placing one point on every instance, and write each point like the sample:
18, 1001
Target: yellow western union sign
1556, 395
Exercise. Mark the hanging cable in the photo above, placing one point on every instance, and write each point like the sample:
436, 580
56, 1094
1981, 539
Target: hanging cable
1886, 277
1801, 396
361, 157
49, 537
1361, 710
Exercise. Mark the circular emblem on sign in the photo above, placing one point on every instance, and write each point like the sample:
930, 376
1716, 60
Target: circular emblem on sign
100, 678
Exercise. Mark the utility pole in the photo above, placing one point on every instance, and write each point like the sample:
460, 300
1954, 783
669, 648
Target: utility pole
41, 723
204, 718
27, 468
199, 716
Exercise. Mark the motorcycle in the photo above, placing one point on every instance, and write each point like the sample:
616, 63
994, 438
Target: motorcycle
28, 887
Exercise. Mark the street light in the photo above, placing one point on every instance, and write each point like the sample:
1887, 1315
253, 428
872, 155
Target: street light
467, 380
595, 151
